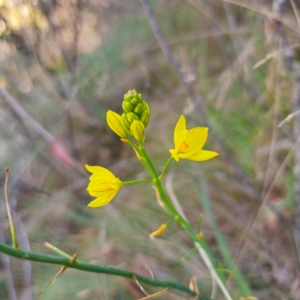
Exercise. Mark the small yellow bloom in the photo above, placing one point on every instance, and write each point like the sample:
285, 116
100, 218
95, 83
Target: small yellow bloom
103, 185
137, 129
189, 143
114, 122
159, 231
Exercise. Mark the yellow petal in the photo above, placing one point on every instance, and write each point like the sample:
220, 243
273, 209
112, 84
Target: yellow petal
99, 185
174, 154
116, 184
114, 122
104, 175
180, 126
196, 138
186, 155
98, 193
101, 201
183, 134
94, 169
204, 155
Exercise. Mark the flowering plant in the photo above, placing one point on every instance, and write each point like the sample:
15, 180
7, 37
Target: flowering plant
188, 144
104, 186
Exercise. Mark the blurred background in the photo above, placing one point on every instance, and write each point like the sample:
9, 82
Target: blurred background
230, 65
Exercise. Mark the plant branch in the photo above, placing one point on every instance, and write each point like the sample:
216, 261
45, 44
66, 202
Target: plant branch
137, 181
79, 265
163, 172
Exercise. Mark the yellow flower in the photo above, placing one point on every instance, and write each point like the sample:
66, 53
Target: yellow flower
103, 185
189, 143
114, 122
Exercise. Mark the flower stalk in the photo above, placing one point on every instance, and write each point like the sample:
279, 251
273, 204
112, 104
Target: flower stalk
188, 144
137, 181
164, 170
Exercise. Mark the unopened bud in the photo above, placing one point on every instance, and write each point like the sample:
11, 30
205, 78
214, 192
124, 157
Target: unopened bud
114, 122
200, 236
159, 231
137, 129
135, 109
125, 141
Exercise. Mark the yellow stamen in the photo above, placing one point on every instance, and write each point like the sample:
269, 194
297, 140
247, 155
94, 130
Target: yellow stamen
183, 146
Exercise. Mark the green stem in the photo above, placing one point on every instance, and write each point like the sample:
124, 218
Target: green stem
185, 224
137, 149
167, 201
133, 145
58, 251
137, 181
164, 198
79, 265
165, 168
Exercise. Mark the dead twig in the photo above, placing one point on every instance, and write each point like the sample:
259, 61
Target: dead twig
13, 103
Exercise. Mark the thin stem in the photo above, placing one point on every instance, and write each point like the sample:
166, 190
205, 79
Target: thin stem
138, 153
200, 244
163, 195
11, 223
149, 162
164, 198
133, 145
137, 181
79, 265
58, 251
163, 172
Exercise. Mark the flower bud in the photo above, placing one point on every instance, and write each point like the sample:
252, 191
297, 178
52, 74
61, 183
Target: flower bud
137, 129
135, 109
145, 115
159, 231
114, 122
201, 236
127, 107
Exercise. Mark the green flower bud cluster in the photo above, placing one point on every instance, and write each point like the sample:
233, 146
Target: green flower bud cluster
135, 109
